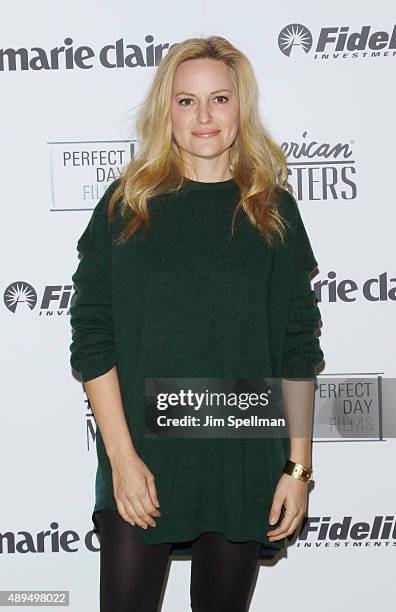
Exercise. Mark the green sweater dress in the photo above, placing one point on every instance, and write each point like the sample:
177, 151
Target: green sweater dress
189, 301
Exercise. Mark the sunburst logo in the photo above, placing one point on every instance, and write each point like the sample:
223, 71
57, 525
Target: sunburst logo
20, 294
294, 37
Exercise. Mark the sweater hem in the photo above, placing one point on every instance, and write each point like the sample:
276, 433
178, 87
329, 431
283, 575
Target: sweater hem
182, 543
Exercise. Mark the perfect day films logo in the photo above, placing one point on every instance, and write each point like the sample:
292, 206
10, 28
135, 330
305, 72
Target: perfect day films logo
337, 42
81, 171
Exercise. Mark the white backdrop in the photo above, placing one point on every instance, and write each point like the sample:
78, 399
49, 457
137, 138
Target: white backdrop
65, 132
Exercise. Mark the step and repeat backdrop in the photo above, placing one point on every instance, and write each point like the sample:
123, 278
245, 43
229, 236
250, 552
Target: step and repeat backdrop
72, 77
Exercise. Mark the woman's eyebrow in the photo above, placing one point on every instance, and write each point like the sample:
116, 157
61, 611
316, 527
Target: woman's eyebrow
186, 93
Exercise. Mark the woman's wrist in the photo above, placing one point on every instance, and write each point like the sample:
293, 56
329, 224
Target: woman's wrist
305, 460
301, 451
118, 452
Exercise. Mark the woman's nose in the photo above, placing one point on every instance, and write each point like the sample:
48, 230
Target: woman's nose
204, 113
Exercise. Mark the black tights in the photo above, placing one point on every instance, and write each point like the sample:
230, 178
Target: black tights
132, 572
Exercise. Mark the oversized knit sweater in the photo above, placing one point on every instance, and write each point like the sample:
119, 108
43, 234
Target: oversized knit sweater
187, 300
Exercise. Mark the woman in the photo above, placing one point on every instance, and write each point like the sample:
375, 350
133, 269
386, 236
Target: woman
195, 264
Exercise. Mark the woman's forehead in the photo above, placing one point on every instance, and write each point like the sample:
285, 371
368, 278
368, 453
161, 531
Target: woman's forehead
205, 74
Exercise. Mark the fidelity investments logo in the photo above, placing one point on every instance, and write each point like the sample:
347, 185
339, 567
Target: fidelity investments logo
22, 296
324, 532
337, 42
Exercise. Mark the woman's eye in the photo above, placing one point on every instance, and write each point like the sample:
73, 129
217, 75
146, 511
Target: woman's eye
187, 100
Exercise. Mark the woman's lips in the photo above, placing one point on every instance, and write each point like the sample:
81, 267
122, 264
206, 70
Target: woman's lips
206, 133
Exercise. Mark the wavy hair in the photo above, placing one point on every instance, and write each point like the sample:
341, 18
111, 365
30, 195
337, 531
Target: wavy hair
257, 163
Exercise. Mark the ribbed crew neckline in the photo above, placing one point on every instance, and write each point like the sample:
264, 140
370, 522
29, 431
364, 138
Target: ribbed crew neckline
215, 186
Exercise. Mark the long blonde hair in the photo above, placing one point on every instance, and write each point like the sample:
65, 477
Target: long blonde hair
257, 163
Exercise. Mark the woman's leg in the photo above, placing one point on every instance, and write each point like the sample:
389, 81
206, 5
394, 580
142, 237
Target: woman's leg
131, 572
222, 573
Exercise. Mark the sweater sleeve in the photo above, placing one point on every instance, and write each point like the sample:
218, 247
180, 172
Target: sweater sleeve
93, 350
302, 353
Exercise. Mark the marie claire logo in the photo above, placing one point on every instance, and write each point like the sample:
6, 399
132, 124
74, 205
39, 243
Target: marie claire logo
46, 541
296, 39
321, 170
21, 296
70, 56
379, 288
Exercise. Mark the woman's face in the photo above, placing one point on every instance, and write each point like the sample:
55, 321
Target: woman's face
204, 109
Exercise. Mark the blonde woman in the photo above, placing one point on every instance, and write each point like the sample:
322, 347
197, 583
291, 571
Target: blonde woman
195, 264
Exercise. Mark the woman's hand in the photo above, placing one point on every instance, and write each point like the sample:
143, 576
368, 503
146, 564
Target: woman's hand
134, 490
291, 492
